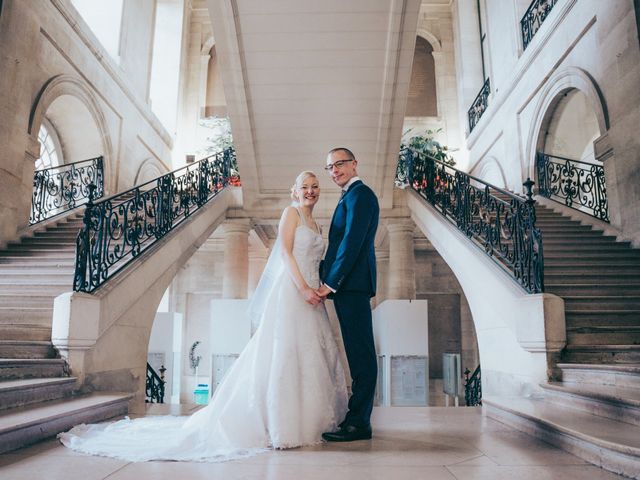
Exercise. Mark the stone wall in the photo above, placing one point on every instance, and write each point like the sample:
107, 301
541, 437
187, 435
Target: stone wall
51, 59
589, 45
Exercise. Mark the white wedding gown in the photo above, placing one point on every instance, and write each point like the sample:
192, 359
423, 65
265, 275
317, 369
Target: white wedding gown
286, 388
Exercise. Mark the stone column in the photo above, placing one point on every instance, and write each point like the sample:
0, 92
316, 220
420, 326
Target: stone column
236, 258
382, 266
401, 277
257, 262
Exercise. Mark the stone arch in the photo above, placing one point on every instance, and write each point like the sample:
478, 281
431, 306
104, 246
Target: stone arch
431, 38
563, 81
70, 93
149, 170
490, 171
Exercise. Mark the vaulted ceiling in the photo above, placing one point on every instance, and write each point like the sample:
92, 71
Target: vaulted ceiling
304, 76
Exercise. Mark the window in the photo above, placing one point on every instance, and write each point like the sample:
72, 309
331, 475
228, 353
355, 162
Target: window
49, 156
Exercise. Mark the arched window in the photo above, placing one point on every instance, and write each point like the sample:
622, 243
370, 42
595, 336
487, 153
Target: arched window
49, 147
422, 100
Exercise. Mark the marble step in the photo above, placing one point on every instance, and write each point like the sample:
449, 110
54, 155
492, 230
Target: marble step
43, 243
27, 349
564, 227
39, 277
46, 255
35, 315
610, 444
615, 354
621, 404
26, 425
586, 318
55, 269
577, 236
17, 368
585, 241
600, 260
594, 271
593, 265
18, 393
604, 334
24, 331
26, 300
37, 262
588, 248
598, 302
38, 250
623, 376
612, 286
26, 287
621, 253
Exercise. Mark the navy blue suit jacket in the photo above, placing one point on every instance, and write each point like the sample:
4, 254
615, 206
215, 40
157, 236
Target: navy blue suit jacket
350, 262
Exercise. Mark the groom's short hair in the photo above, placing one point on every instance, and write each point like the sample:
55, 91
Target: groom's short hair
343, 149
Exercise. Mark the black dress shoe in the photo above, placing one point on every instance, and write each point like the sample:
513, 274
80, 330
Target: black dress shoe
348, 433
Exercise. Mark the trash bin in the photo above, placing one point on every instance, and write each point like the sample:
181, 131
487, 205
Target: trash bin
201, 394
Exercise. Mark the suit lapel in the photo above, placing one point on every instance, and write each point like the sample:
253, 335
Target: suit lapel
342, 197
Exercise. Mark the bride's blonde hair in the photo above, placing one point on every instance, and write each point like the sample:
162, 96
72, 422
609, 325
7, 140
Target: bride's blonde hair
299, 181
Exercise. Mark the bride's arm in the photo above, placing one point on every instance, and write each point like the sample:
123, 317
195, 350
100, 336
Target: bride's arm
287, 231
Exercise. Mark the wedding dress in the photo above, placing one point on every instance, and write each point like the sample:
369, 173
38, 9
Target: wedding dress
286, 388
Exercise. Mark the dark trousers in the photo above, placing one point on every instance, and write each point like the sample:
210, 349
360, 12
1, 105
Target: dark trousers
354, 313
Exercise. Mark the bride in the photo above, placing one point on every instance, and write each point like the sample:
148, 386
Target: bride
287, 387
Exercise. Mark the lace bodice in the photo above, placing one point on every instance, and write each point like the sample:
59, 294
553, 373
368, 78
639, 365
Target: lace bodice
308, 248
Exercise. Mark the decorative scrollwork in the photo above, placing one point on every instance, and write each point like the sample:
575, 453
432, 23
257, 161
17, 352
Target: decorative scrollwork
155, 385
479, 105
534, 18
473, 387
576, 184
499, 222
119, 228
64, 187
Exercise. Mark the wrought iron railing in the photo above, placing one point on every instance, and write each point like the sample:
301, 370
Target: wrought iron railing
576, 184
64, 187
155, 385
119, 228
479, 105
499, 222
473, 387
533, 19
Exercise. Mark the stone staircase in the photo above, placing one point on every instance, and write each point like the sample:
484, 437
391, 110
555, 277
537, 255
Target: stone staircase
592, 406
38, 398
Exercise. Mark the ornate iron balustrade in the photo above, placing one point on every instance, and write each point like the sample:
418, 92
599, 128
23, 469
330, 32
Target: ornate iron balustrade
499, 222
473, 387
155, 385
64, 187
479, 105
119, 228
534, 18
576, 184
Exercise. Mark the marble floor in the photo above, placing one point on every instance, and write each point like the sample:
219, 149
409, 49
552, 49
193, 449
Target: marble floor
433, 443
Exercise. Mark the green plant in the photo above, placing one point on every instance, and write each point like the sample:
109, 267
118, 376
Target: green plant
427, 145
220, 138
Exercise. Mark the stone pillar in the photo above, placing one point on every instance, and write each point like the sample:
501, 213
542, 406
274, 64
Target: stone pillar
236, 258
401, 277
257, 262
382, 266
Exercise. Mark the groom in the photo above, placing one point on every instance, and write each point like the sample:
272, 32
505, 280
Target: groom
348, 273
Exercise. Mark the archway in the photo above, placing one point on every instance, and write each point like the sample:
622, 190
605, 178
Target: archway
568, 92
69, 105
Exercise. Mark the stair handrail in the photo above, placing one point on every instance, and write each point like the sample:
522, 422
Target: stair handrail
473, 387
117, 229
503, 227
61, 188
571, 183
155, 385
